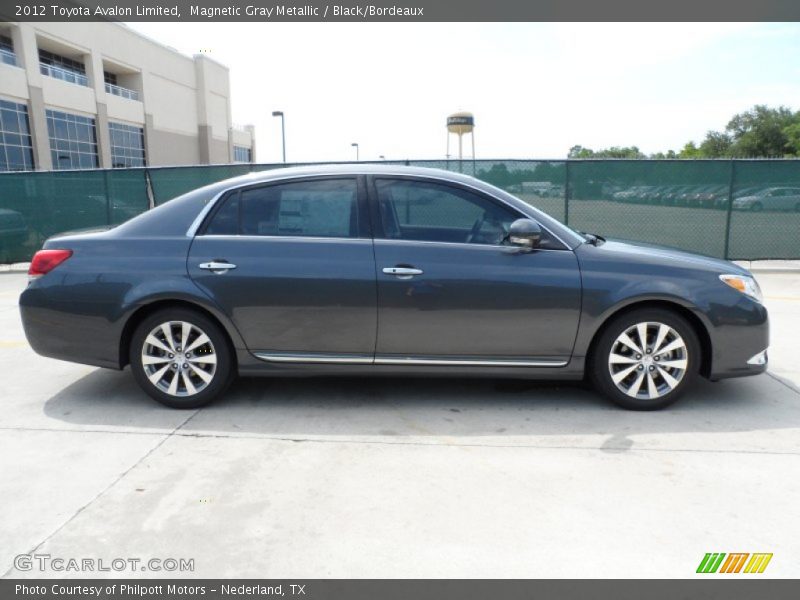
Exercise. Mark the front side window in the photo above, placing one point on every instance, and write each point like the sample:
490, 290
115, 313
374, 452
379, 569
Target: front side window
433, 212
73, 141
327, 208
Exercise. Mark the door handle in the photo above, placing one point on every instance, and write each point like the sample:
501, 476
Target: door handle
402, 272
218, 267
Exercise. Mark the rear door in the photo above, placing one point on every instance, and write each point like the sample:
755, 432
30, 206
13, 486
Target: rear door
450, 290
292, 265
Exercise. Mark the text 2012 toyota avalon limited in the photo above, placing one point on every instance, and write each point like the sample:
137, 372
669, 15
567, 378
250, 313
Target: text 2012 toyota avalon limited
385, 270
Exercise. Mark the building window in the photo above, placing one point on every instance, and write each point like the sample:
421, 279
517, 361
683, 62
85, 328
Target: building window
73, 140
242, 154
16, 148
61, 67
110, 78
127, 146
7, 55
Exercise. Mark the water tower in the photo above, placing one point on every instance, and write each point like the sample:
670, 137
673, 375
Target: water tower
461, 123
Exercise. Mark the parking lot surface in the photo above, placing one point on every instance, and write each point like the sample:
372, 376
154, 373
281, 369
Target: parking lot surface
301, 478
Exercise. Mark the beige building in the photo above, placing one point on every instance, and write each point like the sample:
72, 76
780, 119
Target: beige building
99, 95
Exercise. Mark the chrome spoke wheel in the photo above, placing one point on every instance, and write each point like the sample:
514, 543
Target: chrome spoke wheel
179, 358
648, 360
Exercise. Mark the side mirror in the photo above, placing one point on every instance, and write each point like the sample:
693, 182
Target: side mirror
525, 233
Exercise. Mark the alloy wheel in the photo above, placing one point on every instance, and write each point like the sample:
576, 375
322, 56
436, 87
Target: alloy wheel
179, 358
648, 360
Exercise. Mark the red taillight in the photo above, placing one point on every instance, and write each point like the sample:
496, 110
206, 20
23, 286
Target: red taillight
45, 261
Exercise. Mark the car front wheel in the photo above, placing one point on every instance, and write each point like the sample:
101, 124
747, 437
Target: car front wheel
181, 358
645, 359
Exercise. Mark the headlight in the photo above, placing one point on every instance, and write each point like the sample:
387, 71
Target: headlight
746, 285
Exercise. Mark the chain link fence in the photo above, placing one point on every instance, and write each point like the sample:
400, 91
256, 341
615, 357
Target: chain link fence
735, 209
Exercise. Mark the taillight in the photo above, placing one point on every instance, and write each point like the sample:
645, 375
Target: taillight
45, 261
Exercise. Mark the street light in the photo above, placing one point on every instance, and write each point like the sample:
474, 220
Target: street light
355, 145
278, 113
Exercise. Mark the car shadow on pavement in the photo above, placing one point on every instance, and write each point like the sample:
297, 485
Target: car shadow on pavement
301, 407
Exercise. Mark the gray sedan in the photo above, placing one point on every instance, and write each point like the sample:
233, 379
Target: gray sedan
773, 198
378, 270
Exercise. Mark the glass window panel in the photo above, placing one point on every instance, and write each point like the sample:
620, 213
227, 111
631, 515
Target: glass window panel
127, 145
16, 151
304, 208
425, 211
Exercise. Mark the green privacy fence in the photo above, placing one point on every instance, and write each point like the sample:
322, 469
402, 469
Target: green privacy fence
736, 209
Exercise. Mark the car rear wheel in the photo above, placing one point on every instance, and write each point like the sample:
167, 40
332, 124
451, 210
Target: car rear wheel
181, 358
645, 359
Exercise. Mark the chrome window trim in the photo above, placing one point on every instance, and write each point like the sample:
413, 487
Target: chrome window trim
384, 241
195, 226
198, 220
290, 238
359, 359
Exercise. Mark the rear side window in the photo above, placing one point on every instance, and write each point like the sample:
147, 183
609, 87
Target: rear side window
226, 221
319, 208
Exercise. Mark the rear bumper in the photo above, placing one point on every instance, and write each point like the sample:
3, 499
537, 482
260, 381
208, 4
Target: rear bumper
68, 332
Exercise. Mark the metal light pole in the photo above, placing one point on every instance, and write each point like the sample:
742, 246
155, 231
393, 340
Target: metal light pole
355, 145
278, 113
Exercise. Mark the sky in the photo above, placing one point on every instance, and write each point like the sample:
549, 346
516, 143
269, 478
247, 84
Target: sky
536, 89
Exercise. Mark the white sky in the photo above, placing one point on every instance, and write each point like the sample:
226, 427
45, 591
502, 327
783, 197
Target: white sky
536, 89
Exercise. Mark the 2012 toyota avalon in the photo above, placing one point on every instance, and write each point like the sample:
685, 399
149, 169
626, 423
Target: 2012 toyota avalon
380, 270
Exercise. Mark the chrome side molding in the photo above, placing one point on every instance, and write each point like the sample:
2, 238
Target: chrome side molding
361, 359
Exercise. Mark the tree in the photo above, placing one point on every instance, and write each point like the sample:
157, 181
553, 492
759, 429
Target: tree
613, 152
580, 152
716, 145
762, 132
793, 137
689, 150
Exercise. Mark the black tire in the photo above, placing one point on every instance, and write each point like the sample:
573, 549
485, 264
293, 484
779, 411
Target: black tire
599, 368
757, 207
221, 373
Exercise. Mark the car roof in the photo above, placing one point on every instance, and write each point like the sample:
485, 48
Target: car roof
348, 169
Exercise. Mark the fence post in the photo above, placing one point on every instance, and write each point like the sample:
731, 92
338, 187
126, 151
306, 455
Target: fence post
108, 198
566, 192
730, 210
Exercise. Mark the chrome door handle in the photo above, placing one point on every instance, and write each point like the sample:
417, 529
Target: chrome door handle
402, 272
217, 267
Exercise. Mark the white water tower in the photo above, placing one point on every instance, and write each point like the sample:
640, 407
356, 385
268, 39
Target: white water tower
461, 124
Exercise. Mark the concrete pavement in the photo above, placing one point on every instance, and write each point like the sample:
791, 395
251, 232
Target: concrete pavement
398, 477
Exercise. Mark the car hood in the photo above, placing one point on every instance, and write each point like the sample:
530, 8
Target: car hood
666, 255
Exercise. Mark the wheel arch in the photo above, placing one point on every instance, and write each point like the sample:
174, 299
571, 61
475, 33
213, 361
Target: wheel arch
700, 329
145, 310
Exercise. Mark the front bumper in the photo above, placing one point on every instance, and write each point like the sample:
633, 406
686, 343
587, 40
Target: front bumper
740, 339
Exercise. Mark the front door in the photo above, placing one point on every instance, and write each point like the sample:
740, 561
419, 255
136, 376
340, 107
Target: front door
292, 265
450, 290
